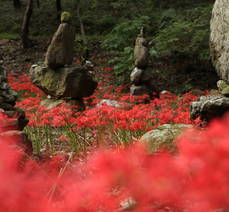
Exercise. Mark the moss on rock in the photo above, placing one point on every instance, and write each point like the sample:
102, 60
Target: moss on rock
66, 17
225, 91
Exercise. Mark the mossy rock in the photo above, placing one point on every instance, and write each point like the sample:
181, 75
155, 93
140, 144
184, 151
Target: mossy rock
163, 137
66, 17
225, 91
74, 81
221, 84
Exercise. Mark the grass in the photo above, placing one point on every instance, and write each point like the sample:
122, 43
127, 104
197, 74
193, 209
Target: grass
5, 35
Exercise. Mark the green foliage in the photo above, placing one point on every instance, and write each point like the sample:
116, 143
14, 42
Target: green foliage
121, 41
176, 36
123, 65
185, 35
9, 36
124, 34
177, 31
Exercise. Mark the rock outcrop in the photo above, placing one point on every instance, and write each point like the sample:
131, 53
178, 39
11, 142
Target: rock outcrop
219, 38
209, 107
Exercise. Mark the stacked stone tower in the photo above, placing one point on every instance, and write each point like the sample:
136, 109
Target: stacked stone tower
12, 120
141, 81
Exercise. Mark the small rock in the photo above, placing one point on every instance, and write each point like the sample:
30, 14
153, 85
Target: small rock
221, 84
138, 90
108, 102
51, 103
128, 204
225, 91
136, 75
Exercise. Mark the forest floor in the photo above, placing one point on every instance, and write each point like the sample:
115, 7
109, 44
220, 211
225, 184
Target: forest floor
16, 59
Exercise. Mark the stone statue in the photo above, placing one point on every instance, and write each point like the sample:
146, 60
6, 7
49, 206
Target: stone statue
61, 50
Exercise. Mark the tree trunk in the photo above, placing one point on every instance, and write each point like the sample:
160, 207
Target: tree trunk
82, 31
83, 34
38, 3
26, 42
58, 9
17, 4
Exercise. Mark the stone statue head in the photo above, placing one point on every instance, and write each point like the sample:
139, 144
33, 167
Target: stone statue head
66, 17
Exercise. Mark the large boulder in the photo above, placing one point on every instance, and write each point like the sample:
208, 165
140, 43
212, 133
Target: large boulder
73, 82
163, 136
210, 107
219, 38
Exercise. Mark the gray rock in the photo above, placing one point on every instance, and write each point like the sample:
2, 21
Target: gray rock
61, 50
8, 97
4, 86
219, 38
139, 90
140, 52
136, 75
108, 102
209, 107
221, 84
51, 103
73, 82
225, 91
163, 136
128, 204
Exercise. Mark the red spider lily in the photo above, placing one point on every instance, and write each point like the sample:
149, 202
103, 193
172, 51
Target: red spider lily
188, 180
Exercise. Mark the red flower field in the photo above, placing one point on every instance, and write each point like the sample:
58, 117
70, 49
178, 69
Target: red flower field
115, 173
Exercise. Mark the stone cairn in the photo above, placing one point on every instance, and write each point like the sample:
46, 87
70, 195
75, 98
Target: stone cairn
213, 106
14, 120
141, 82
57, 76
